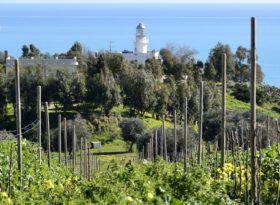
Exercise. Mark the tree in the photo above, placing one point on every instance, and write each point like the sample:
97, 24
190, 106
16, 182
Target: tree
210, 72
114, 61
91, 65
178, 62
242, 92
103, 90
211, 97
168, 60
31, 77
139, 90
242, 54
3, 102
76, 51
132, 129
183, 53
155, 67
67, 88
25, 51
100, 64
242, 66
34, 51
215, 58
84, 129
260, 74
161, 94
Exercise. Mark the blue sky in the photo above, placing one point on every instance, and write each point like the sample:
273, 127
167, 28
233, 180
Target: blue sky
139, 1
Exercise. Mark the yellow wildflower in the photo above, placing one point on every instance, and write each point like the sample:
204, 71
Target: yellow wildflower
48, 184
150, 196
129, 199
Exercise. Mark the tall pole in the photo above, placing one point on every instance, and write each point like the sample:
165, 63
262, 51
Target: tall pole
253, 112
65, 140
267, 132
39, 119
18, 118
48, 135
223, 135
200, 124
59, 139
152, 148
164, 137
175, 135
74, 148
185, 134
156, 144
85, 158
161, 142
81, 156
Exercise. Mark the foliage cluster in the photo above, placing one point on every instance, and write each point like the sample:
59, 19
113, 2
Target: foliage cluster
140, 183
265, 93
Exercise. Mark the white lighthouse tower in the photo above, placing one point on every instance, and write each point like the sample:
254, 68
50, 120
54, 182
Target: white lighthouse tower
141, 43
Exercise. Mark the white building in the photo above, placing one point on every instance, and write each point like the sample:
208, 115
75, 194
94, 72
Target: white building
141, 53
49, 65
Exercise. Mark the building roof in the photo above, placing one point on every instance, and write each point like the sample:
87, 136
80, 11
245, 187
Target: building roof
70, 64
52, 62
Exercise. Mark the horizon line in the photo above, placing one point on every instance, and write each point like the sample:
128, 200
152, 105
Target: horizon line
157, 3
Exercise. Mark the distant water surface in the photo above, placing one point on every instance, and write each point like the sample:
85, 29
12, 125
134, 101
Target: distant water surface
54, 28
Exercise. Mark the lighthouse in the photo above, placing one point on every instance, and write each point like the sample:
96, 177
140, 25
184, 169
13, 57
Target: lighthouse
141, 53
141, 43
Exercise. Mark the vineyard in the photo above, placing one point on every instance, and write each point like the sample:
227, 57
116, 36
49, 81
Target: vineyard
139, 182
174, 153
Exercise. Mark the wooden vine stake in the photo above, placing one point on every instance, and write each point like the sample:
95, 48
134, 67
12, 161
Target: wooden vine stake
85, 158
39, 119
223, 134
88, 163
74, 148
59, 139
10, 168
253, 112
164, 138
175, 136
18, 119
200, 125
156, 144
267, 132
152, 147
48, 135
161, 141
81, 156
185, 134
278, 152
65, 140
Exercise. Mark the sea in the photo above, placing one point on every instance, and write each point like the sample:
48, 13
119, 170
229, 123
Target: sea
53, 28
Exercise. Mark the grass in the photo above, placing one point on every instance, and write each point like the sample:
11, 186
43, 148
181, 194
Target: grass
152, 122
121, 110
236, 105
117, 145
271, 109
10, 110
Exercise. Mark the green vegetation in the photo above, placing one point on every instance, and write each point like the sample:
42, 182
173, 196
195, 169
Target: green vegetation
121, 104
271, 109
123, 181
